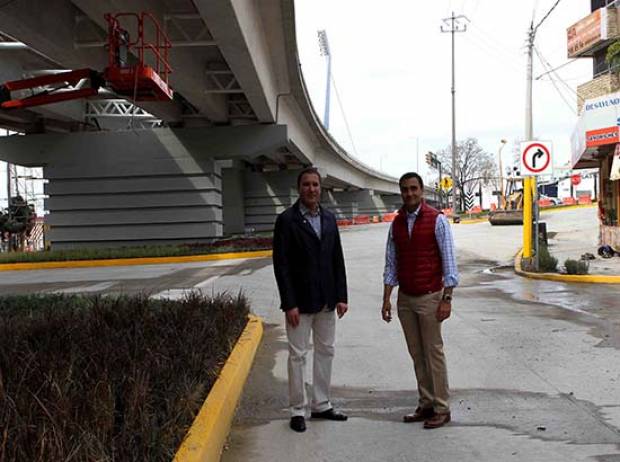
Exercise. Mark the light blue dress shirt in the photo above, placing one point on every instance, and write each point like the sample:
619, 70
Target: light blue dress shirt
445, 241
313, 218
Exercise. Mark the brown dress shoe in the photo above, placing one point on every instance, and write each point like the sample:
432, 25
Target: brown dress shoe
419, 415
438, 420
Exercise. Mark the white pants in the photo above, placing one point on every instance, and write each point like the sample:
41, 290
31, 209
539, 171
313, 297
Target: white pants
323, 327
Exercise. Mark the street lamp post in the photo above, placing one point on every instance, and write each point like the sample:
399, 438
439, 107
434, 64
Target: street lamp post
501, 174
324, 48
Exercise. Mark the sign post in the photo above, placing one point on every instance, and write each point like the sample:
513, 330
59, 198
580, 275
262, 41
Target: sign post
536, 161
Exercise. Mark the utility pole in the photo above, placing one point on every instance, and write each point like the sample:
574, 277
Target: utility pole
454, 26
529, 134
324, 48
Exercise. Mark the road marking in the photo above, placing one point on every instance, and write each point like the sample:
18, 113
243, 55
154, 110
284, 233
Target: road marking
176, 294
100, 287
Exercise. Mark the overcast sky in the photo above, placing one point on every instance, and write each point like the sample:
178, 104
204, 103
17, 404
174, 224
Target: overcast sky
391, 65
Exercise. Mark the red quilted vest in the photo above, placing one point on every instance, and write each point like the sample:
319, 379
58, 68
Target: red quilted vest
419, 261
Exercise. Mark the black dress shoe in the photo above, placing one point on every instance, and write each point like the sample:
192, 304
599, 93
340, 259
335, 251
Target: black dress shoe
330, 414
298, 423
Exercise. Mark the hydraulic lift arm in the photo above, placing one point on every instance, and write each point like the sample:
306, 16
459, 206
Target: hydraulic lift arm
63, 79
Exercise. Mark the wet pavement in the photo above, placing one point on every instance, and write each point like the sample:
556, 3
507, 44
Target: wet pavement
533, 365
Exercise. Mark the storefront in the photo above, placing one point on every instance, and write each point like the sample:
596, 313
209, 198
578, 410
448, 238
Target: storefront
595, 143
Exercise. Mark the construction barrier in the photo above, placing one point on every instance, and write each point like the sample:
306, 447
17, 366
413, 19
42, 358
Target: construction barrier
361, 220
375, 219
545, 203
493, 207
569, 201
584, 200
344, 222
388, 217
475, 209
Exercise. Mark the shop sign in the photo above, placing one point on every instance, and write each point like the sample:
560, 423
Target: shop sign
587, 32
602, 136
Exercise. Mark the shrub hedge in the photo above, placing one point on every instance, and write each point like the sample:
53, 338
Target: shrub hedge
108, 378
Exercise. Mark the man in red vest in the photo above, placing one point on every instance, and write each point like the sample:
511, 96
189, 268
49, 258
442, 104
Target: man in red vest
420, 259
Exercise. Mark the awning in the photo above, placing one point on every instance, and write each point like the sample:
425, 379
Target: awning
597, 131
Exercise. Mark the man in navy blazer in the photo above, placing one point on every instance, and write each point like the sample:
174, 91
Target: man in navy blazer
309, 267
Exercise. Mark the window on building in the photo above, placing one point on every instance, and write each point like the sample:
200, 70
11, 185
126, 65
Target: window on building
599, 63
596, 4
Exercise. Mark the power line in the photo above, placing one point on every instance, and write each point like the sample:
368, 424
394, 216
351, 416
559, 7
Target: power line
491, 52
344, 115
557, 68
553, 72
542, 61
547, 15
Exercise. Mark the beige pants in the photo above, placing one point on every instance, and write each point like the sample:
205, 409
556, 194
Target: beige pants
322, 325
423, 336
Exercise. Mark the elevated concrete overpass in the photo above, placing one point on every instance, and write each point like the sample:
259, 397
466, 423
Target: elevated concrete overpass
221, 158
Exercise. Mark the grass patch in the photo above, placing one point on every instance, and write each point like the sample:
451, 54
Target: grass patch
108, 378
220, 246
576, 266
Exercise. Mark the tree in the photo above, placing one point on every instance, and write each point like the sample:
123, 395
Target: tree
474, 166
16, 222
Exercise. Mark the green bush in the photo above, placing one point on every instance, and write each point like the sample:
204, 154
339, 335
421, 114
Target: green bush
576, 266
547, 263
219, 246
108, 378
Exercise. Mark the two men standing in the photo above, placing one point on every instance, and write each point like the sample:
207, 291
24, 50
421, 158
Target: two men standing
310, 273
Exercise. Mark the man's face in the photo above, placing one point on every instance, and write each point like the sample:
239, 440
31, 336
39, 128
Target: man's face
412, 193
310, 190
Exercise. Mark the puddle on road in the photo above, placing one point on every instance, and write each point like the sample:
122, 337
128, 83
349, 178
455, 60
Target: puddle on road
585, 299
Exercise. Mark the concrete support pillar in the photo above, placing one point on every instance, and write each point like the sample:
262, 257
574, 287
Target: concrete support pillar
364, 202
131, 188
140, 187
233, 196
267, 194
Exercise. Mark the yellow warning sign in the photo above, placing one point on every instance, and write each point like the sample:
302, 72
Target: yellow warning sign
446, 182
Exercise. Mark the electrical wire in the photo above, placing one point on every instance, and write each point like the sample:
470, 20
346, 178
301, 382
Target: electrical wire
556, 68
491, 52
344, 115
553, 72
547, 15
544, 64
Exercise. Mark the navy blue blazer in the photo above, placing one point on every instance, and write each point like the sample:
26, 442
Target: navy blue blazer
309, 271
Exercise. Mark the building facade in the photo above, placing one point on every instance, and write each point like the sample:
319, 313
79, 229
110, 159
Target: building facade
596, 138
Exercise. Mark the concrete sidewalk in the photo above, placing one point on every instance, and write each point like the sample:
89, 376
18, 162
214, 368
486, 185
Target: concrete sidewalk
573, 233
532, 366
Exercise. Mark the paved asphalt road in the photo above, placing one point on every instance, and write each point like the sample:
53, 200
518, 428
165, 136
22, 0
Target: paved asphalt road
533, 365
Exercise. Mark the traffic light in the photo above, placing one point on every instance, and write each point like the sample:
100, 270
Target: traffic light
429, 158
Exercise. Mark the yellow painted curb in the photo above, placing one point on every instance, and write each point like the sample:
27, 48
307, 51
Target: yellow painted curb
132, 261
471, 221
582, 278
561, 208
205, 439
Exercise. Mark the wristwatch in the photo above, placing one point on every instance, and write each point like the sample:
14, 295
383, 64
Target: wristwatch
447, 298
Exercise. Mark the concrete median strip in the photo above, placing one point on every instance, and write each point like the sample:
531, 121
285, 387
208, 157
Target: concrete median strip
206, 437
132, 261
582, 278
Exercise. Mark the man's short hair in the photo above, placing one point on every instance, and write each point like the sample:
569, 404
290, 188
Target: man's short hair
306, 171
408, 175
